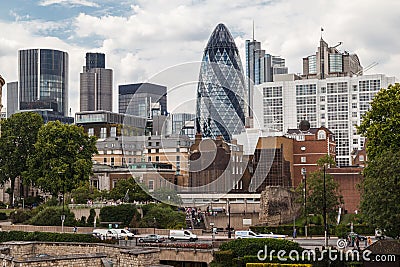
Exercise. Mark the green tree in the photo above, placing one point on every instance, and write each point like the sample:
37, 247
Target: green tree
380, 198
315, 189
381, 124
168, 196
162, 216
81, 194
63, 158
18, 136
135, 191
122, 214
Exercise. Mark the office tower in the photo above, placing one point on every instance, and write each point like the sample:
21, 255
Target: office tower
336, 100
330, 62
43, 80
2, 82
142, 99
180, 120
96, 84
335, 103
260, 67
95, 60
12, 98
221, 93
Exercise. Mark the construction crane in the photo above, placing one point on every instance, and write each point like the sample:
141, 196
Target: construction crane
367, 68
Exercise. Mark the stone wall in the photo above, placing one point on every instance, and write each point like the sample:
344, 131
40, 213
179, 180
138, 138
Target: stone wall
278, 206
32, 254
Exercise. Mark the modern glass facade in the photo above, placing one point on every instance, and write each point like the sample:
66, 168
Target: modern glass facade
221, 93
138, 99
43, 78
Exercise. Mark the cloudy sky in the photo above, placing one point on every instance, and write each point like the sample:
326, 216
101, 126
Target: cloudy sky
150, 40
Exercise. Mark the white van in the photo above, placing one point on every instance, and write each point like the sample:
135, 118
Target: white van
251, 234
182, 235
106, 233
124, 234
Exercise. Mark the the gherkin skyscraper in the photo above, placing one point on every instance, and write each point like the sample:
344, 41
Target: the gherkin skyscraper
221, 90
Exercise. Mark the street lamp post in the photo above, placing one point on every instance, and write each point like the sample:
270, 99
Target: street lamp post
154, 225
324, 211
229, 220
63, 203
303, 173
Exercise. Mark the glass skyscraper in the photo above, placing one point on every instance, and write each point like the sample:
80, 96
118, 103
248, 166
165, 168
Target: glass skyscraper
43, 80
96, 84
221, 96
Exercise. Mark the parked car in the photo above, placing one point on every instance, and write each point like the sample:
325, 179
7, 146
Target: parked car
182, 235
124, 233
354, 235
379, 234
251, 234
152, 239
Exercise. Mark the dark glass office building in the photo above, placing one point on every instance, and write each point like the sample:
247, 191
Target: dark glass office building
221, 94
96, 84
43, 80
140, 99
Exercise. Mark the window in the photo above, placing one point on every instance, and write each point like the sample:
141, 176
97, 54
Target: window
322, 107
91, 131
105, 160
361, 158
322, 98
112, 161
103, 132
149, 159
151, 185
355, 141
354, 105
178, 158
113, 132
157, 158
303, 159
321, 135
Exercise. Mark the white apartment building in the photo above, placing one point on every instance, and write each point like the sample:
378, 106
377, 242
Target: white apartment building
337, 103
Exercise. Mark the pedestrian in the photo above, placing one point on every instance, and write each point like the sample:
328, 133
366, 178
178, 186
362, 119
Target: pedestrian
75, 229
357, 243
294, 233
369, 241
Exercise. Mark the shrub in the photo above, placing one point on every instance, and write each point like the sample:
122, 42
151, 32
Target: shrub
20, 216
251, 246
90, 219
223, 256
51, 216
3, 216
121, 213
165, 217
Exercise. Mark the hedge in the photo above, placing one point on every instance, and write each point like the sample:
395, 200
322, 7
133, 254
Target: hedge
276, 264
251, 246
313, 230
120, 213
47, 237
266, 264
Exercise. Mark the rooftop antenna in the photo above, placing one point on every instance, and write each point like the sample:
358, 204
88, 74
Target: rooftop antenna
253, 30
322, 29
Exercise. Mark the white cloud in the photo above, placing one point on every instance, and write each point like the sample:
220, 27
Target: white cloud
155, 35
68, 3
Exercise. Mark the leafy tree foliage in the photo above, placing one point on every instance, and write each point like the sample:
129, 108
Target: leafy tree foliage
62, 158
315, 190
162, 216
135, 191
381, 124
52, 216
381, 186
167, 195
120, 213
18, 136
81, 194
381, 192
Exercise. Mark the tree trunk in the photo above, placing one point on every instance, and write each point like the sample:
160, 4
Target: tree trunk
12, 180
